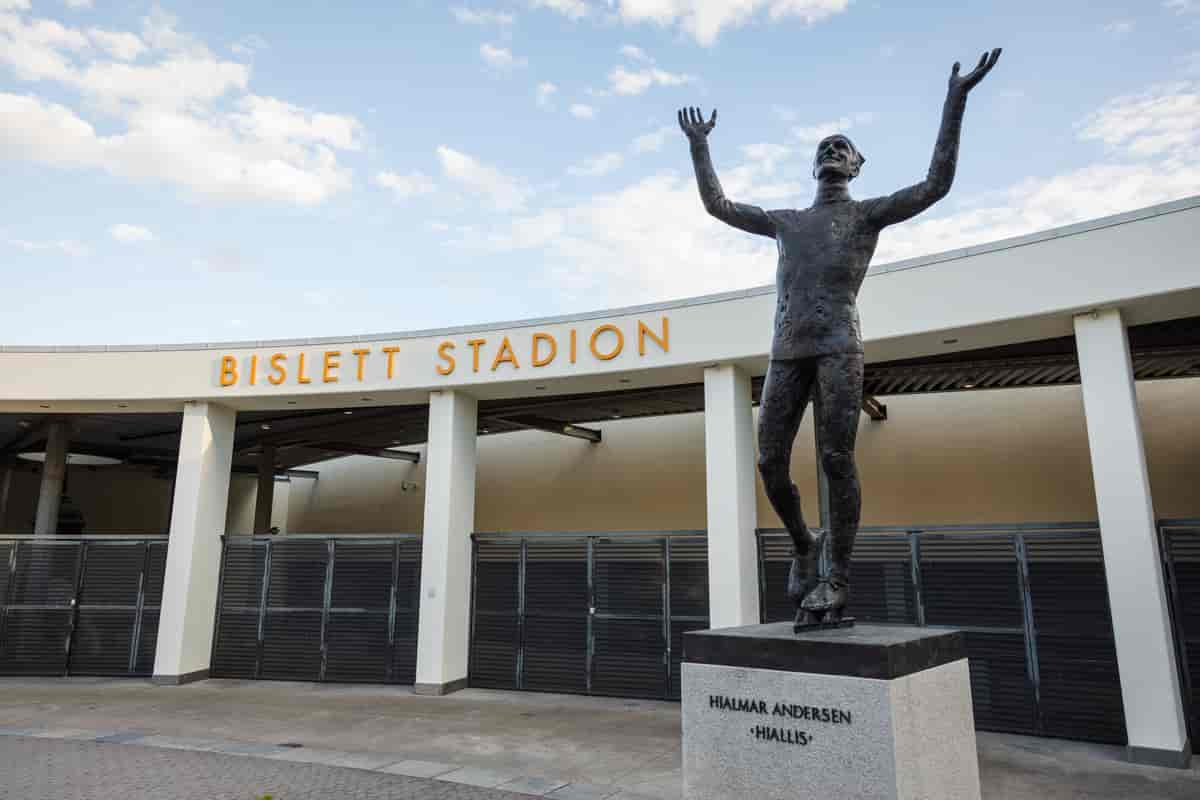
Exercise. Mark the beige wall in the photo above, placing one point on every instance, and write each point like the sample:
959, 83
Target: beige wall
966, 457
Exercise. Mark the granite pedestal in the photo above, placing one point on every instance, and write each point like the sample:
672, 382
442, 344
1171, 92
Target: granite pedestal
876, 712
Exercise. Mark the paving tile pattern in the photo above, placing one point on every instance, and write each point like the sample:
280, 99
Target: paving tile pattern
41, 768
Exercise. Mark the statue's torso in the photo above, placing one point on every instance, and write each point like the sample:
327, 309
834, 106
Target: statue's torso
824, 253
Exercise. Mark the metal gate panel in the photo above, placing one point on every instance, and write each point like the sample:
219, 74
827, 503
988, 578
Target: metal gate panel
629, 638
107, 612
40, 610
1181, 547
1001, 692
1079, 684
554, 652
356, 633
495, 633
292, 630
774, 563
239, 608
971, 580
687, 583
882, 588
406, 616
152, 590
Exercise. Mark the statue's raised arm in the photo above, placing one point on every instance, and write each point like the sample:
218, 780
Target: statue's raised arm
740, 215
914, 199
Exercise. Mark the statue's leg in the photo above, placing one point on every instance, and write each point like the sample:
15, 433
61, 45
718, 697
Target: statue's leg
839, 381
785, 395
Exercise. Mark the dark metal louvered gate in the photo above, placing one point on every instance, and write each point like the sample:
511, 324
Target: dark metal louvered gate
588, 614
318, 608
1181, 556
80, 605
1032, 601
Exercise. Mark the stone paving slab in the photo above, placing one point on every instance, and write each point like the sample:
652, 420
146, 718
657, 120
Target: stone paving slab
60, 769
533, 785
419, 769
479, 776
584, 791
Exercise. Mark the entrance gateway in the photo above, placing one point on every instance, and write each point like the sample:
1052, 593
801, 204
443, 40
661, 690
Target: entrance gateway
714, 356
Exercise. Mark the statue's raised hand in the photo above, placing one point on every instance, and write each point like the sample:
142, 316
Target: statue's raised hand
691, 120
965, 83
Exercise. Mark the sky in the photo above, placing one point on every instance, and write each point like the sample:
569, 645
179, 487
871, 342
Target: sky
211, 171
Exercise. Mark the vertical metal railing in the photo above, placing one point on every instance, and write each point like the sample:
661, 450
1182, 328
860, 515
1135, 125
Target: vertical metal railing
35, 648
1094, 651
1179, 546
596, 619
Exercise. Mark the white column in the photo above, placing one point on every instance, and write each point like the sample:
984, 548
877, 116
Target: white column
54, 473
189, 601
1141, 623
444, 628
730, 492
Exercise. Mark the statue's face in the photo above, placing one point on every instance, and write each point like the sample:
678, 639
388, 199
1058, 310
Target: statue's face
837, 156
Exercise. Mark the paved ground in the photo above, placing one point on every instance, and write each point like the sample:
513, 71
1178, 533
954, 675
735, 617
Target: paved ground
560, 746
48, 769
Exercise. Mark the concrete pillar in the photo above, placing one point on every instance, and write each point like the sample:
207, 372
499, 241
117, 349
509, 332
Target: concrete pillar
264, 497
54, 472
729, 458
1145, 647
444, 627
189, 599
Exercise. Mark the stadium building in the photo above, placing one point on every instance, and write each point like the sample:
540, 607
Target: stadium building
548, 505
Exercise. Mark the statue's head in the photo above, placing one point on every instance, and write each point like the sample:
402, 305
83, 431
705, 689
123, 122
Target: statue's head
837, 156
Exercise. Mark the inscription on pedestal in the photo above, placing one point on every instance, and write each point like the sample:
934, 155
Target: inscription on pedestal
769, 730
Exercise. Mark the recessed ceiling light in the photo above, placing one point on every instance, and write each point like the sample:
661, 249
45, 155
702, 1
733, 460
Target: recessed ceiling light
25, 423
397, 441
483, 430
539, 388
624, 380
291, 402
347, 413
265, 426
367, 399
44, 405
949, 341
122, 405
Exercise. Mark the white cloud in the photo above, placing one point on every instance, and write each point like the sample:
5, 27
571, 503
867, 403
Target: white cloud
704, 20
582, 111
472, 16
653, 141
572, 9
500, 57
406, 186
811, 134
651, 240
636, 53
1163, 121
119, 44
76, 4
14, 5
630, 82
1153, 155
505, 192
180, 114
130, 234
597, 166
1180, 6
545, 93
1119, 28
68, 247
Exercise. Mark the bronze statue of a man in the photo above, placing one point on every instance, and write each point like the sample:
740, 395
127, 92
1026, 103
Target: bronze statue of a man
817, 350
